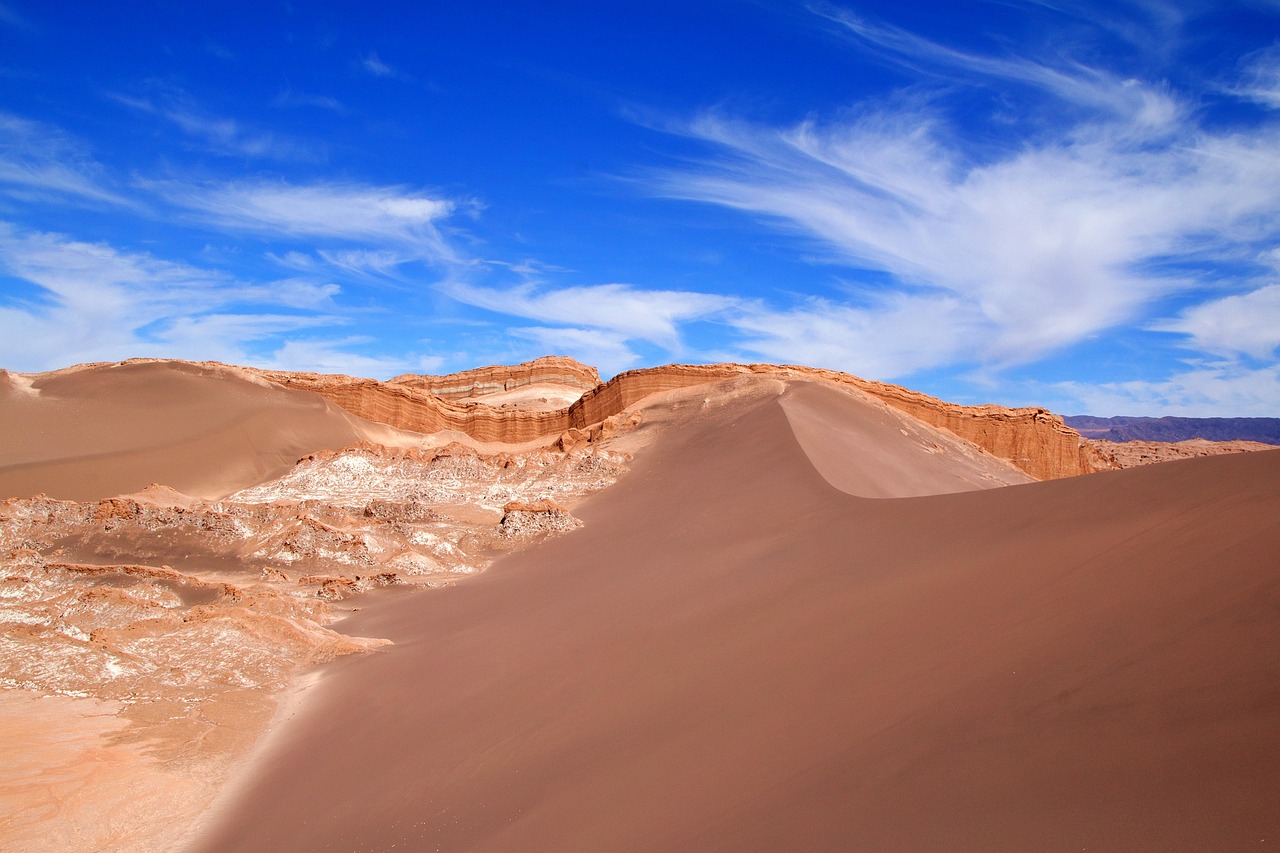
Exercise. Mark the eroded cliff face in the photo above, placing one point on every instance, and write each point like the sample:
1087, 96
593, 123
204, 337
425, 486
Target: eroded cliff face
549, 370
1033, 439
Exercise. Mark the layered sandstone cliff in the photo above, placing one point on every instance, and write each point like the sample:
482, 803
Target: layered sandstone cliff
551, 370
1033, 439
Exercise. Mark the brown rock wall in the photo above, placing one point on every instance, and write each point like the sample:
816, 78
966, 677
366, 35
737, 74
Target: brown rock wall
548, 370
1033, 439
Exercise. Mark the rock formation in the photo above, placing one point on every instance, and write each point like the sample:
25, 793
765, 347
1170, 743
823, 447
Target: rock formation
1105, 455
1033, 439
548, 370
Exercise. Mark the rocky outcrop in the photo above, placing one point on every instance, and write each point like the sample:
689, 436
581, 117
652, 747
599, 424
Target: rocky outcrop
1033, 439
548, 370
419, 410
1105, 455
522, 519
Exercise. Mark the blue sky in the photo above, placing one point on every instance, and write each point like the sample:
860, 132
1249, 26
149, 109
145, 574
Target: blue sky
1016, 201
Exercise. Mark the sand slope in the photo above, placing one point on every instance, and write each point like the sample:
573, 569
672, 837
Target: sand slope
732, 654
94, 431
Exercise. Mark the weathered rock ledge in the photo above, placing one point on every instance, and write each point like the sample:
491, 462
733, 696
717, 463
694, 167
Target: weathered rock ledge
548, 370
1033, 439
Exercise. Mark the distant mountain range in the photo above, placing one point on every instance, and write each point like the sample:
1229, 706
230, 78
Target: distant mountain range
1265, 430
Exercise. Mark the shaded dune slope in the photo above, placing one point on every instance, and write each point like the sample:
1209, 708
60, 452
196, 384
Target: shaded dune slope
206, 430
732, 654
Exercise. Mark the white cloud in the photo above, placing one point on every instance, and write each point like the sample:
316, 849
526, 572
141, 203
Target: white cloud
221, 134
375, 66
1212, 390
1260, 80
1004, 260
1072, 82
888, 339
41, 163
1247, 323
93, 302
380, 215
629, 313
607, 351
332, 356
365, 261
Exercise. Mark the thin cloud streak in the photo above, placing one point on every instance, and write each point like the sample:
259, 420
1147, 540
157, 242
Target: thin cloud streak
1202, 391
628, 313
382, 216
1075, 83
222, 135
375, 66
41, 163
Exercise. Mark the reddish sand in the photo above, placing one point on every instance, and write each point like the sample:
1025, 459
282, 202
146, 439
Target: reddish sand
91, 432
734, 655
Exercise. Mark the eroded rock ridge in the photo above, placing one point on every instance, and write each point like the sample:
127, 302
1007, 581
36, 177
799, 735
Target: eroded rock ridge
1033, 439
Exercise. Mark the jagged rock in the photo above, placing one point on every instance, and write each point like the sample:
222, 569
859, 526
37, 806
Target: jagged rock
404, 511
520, 519
1106, 454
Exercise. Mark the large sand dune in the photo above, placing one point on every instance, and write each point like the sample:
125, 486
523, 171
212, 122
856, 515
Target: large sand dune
737, 652
206, 430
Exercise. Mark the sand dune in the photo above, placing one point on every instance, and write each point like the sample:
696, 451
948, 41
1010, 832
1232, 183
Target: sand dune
735, 654
206, 430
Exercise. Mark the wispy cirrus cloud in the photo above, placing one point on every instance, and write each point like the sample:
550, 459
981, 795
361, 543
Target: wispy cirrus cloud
628, 312
337, 356
988, 258
91, 301
602, 349
1073, 82
371, 64
1260, 78
1201, 390
387, 218
222, 135
893, 337
41, 163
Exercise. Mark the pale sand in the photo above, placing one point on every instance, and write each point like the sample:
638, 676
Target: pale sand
734, 655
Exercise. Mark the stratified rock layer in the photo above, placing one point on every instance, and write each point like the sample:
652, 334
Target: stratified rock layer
548, 370
1033, 439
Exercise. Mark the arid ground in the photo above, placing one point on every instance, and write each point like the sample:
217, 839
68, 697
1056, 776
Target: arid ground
694, 608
